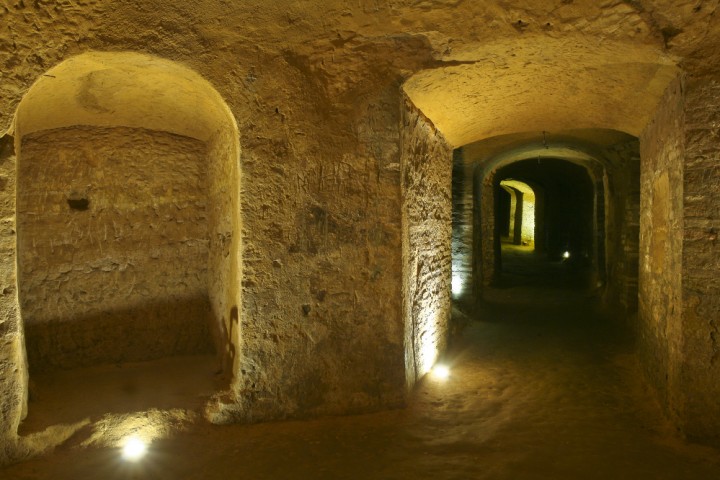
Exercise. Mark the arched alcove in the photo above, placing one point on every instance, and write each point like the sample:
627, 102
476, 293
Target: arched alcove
127, 214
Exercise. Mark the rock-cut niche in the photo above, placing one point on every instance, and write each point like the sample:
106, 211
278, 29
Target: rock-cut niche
127, 213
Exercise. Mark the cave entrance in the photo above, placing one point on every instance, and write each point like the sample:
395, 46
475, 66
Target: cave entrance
127, 220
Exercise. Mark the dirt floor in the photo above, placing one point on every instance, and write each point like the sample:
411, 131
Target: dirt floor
544, 385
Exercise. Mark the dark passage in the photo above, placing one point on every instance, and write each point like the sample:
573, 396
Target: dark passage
566, 248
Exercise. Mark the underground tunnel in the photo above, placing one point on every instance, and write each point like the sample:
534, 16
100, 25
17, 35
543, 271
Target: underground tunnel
525, 196
562, 228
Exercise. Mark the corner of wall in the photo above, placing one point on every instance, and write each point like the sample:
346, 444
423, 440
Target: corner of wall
660, 310
426, 168
13, 366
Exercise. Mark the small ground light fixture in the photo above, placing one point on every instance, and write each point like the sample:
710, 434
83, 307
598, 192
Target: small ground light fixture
133, 449
441, 371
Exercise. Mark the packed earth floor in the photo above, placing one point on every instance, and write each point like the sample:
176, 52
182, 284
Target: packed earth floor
544, 384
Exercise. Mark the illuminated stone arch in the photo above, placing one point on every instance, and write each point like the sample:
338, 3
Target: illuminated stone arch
128, 213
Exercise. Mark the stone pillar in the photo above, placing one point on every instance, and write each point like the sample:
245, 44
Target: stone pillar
679, 314
13, 367
659, 315
517, 230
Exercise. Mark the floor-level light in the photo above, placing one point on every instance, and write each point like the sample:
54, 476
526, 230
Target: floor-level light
440, 371
566, 254
133, 449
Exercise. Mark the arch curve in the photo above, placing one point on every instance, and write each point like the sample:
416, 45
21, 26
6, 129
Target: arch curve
127, 89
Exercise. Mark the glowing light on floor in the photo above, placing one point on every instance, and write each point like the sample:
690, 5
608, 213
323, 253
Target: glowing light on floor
441, 372
566, 254
133, 449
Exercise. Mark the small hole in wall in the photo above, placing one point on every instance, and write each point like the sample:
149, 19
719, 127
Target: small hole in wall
78, 203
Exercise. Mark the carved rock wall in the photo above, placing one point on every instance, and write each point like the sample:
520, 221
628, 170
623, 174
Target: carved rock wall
13, 366
661, 231
701, 260
622, 229
112, 246
427, 226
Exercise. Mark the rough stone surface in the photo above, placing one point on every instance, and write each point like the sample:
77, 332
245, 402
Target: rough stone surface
463, 214
112, 246
13, 367
427, 226
701, 260
305, 263
660, 273
224, 238
621, 186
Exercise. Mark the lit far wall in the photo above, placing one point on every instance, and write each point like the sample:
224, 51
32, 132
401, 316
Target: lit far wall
521, 193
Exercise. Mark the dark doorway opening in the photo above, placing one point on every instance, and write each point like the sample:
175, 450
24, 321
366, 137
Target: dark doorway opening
544, 224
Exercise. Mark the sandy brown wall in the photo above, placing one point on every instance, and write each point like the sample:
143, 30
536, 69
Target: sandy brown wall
112, 246
320, 321
701, 260
224, 239
13, 371
661, 243
679, 267
427, 228
486, 263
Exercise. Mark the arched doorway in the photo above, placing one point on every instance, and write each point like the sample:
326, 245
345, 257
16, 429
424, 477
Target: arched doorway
583, 200
128, 215
516, 215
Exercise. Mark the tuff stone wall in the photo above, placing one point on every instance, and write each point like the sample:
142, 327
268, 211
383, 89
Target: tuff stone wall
319, 328
314, 88
13, 367
700, 256
487, 263
660, 309
427, 227
320, 322
462, 230
112, 246
621, 188
224, 240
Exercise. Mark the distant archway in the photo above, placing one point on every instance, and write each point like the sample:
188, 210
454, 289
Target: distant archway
520, 221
